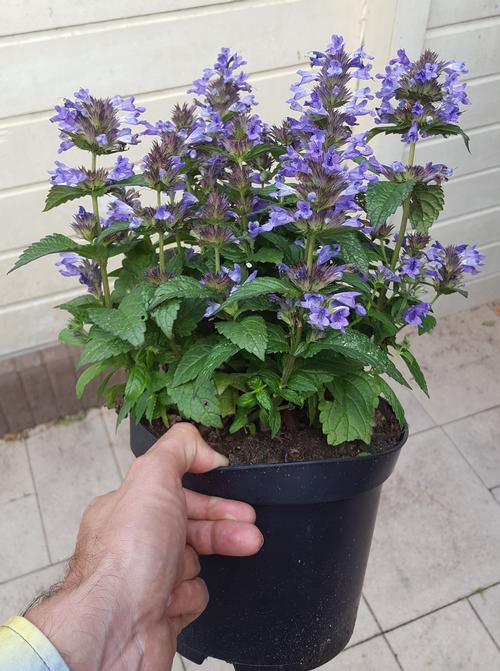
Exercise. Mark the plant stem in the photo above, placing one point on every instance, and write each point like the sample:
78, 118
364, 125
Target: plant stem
405, 215
217, 258
311, 239
161, 235
290, 360
102, 260
178, 242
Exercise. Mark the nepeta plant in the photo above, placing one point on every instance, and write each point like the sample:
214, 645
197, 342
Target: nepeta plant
264, 275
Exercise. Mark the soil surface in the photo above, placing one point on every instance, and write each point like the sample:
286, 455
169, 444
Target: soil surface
297, 441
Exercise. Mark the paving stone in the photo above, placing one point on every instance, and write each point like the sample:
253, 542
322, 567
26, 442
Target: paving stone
210, 664
119, 439
71, 464
22, 543
16, 481
496, 493
373, 655
437, 536
486, 603
458, 390
15, 595
366, 627
464, 337
478, 439
451, 639
418, 419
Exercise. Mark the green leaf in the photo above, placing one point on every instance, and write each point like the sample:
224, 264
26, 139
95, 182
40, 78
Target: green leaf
274, 419
88, 375
415, 370
351, 415
178, 287
446, 129
353, 252
198, 403
268, 255
193, 361
102, 345
127, 322
59, 194
79, 306
257, 287
190, 313
428, 323
165, 316
359, 347
249, 334
136, 382
263, 399
110, 230
219, 354
140, 257
68, 337
384, 198
396, 129
50, 244
240, 420
393, 400
277, 339
426, 203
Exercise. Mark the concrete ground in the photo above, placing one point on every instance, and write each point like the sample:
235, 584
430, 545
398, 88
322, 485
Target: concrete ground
432, 591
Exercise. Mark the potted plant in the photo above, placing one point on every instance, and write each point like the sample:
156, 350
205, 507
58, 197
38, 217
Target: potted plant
259, 291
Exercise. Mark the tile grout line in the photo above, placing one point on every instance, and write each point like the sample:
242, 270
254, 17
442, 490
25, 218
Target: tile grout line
382, 632
36, 570
42, 521
497, 646
464, 458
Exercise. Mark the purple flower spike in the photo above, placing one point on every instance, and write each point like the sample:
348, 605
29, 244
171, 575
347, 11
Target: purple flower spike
65, 175
122, 169
414, 314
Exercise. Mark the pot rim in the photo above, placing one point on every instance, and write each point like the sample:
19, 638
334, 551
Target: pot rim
296, 464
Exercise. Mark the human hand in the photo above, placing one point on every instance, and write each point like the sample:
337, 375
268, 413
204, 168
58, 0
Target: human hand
132, 583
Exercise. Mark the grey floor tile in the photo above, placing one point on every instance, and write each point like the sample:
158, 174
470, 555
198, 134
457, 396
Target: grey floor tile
15, 475
366, 627
16, 594
458, 339
452, 639
437, 536
71, 464
478, 439
210, 664
22, 543
417, 418
486, 603
459, 390
120, 440
373, 655
496, 493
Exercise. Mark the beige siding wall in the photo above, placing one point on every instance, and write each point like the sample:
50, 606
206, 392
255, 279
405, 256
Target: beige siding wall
152, 49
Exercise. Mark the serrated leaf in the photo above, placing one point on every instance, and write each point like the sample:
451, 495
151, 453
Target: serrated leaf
165, 316
219, 354
384, 198
249, 334
190, 313
79, 305
140, 257
117, 227
357, 346
136, 382
102, 345
428, 323
415, 370
127, 322
277, 339
50, 244
68, 337
257, 287
393, 400
350, 416
354, 253
88, 375
193, 361
178, 287
198, 403
426, 203
60, 193
268, 255
263, 399
446, 129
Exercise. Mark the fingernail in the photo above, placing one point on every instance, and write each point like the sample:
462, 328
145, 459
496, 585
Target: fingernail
220, 460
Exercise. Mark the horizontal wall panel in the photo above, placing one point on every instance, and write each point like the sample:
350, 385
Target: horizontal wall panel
445, 12
40, 138
24, 16
481, 290
172, 51
33, 325
484, 147
484, 109
477, 228
473, 192
475, 44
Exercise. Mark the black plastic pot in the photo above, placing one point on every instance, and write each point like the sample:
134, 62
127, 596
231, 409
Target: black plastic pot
293, 605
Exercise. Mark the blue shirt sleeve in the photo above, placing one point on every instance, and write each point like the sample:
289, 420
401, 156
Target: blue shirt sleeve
23, 646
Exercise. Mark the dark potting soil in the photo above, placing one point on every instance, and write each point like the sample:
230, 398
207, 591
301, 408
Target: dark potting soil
297, 441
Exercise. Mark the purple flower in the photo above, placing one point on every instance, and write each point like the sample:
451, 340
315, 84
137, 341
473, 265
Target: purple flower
65, 175
122, 169
326, 253
411, 267
470, 258
212, 307
411, 135
162, 213
414, 314
304, 210
121, 211
338, 318
74, 265
234, 274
